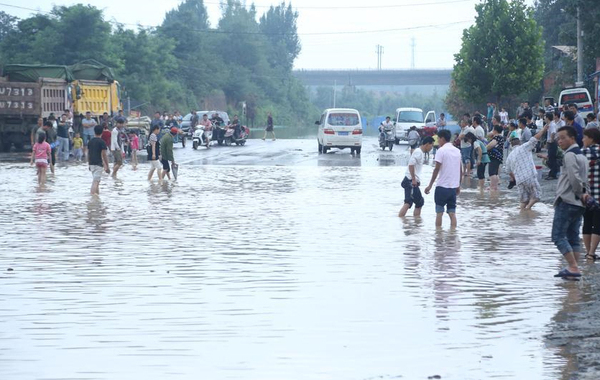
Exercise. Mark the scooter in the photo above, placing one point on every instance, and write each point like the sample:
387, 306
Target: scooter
387, 137
202, 136
230, 139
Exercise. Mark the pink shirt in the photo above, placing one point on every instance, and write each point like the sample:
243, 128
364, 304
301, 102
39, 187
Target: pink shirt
135, 143
41, 151
449, 175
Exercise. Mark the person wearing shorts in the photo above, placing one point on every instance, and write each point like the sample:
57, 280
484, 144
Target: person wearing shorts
412, 179
97, 159
448, 167
521, 169
153, 150
466, 149
116, 146
166, 152
88, 124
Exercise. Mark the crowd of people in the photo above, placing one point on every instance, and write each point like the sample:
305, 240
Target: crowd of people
573, 149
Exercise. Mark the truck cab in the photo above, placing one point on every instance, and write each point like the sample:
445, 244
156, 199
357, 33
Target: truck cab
407, 117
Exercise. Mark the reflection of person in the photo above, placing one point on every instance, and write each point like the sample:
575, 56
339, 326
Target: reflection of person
412, 179
269, 127
449, 168
571, 191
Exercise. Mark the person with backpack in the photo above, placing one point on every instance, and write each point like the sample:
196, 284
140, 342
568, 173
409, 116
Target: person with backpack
591, 217
572, 193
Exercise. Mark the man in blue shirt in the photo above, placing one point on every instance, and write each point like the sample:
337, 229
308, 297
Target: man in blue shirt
570, 121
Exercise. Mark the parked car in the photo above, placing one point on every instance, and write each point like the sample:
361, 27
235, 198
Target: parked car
340, 128
406, 117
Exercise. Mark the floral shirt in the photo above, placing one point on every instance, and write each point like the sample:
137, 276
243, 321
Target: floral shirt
497, 152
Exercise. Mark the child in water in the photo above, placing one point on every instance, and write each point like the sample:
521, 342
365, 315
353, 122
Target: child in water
42, 154
77, 147
135, 146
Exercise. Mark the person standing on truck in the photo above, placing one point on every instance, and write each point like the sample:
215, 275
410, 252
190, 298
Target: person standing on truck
116, 146
51, 139
88, 125
62, 130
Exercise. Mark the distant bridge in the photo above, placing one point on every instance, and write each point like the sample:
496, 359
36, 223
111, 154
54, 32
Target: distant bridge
421, 81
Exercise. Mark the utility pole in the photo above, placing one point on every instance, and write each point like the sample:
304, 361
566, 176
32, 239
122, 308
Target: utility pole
379, 52
579, 49
412, 46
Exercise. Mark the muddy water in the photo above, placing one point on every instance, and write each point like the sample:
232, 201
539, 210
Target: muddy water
263, 272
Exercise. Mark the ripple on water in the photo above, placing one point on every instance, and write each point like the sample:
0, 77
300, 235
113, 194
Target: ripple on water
283, 272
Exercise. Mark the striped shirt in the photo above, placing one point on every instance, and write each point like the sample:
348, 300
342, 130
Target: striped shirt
592, 153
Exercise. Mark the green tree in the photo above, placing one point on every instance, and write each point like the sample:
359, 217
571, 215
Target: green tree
281, 31
501, 55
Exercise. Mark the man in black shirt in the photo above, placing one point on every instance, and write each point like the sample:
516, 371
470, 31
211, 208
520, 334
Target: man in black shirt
51, 139
98, 159
62, 130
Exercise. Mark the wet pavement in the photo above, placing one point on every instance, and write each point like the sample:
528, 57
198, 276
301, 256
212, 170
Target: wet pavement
270, 261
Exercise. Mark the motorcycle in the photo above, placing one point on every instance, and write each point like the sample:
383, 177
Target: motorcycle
230, 138
202, 136
387, 137
219, 132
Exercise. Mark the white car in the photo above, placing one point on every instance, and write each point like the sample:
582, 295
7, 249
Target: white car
340, 128
407, 117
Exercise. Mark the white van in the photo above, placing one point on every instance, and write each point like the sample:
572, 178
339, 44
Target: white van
579, 96
406, 117
340, 128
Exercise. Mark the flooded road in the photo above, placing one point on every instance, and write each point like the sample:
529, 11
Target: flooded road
270, 262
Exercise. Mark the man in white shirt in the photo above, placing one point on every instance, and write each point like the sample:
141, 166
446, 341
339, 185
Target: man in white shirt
116, 146
448, 166
503, 116
88, 125
479, 131
412, 179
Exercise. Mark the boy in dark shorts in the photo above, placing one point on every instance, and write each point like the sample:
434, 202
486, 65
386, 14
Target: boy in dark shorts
412, 179
97, 158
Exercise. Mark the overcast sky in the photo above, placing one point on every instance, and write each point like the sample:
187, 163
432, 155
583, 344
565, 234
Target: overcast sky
435, 25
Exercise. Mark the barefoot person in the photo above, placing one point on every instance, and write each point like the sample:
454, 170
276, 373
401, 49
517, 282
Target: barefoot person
154, 153
571, 193
412, 179
97, 159
166, 152
116, 146
521, 169
448, 165
41, 154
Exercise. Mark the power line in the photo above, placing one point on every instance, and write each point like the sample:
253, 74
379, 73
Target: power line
216, 31
361, 6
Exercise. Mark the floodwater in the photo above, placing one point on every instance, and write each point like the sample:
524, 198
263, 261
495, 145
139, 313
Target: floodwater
276, 271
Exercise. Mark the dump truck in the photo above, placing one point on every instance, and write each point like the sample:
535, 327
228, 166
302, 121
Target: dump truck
24, 100
28, 92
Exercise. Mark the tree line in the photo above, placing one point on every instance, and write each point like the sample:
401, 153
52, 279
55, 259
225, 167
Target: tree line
181, 64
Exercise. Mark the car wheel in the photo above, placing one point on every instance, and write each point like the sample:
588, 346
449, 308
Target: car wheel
325, 149
397, 142
320, 147
358, 150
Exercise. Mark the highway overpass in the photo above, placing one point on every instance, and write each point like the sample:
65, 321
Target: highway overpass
414, 81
